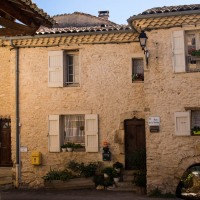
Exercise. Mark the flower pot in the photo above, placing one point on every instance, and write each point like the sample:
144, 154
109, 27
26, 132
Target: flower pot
64, 149
105, 175
117, 170
116, 179
69, 149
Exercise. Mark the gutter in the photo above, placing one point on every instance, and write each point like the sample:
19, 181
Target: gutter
17, 164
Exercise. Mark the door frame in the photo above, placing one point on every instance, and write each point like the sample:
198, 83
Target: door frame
135, 122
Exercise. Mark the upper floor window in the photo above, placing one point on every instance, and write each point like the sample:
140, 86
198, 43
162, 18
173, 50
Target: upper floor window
184, 43
63, 68
193, 44
137, 69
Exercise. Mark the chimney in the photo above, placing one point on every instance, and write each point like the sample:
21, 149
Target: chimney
104, 14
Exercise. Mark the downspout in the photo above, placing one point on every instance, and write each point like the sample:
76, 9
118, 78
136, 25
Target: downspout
17, 165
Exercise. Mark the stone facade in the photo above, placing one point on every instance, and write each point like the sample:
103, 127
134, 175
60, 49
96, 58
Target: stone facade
104, 68
106, 89
167, 92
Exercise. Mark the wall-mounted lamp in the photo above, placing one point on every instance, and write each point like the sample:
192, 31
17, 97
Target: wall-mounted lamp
143, 39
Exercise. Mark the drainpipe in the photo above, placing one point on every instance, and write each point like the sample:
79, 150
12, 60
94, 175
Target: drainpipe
17, 165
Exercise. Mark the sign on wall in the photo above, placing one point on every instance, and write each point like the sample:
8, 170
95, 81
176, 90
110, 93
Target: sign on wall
154, 121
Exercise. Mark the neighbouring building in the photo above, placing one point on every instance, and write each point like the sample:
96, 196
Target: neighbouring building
87, 80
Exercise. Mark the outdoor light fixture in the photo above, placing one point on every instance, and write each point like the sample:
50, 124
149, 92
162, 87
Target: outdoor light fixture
143, 39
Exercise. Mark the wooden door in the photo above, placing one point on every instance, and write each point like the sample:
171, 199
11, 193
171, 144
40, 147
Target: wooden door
135, 144
5, 143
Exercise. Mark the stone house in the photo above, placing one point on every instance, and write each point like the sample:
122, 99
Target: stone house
87, 84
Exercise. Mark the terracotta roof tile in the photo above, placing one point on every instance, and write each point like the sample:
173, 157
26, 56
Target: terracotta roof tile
39, 11
166, 17
44, 30
168, 9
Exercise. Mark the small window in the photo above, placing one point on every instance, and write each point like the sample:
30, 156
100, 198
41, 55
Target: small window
63, 68
195, 122
72, 69
137, 69
192, 45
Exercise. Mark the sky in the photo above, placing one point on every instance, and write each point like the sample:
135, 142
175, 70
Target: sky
119, 10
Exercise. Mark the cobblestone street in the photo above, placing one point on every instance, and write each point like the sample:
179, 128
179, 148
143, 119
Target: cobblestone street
72, 195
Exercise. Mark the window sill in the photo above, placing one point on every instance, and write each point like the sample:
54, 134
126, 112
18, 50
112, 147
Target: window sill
138, 81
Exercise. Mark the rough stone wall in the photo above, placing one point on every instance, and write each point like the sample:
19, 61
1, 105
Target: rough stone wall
106, 89
166, 92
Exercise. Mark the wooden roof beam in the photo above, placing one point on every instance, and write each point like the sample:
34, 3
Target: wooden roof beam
16, 26
18, 14
10, 32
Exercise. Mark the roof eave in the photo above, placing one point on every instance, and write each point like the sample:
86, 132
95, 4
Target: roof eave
157, 15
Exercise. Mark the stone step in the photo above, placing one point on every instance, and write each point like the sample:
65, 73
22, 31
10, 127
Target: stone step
6, 181
129, 172
122, 189
124, 184
128, 178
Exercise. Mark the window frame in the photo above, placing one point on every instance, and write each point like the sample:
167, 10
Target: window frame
187, 118
57, 68
180, 51
197, 46
140, 78
75, 68
56, 133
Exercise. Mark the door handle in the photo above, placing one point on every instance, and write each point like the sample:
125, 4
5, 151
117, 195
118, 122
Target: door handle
0, 144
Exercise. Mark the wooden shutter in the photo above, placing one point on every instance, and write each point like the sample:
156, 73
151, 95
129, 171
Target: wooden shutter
54, 133
182, 123
55, 68
179, 62
91, 133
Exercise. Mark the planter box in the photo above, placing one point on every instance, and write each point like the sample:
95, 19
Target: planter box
195, 58
196, 132
76, 183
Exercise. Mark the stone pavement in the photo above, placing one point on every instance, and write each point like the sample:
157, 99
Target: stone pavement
87, 194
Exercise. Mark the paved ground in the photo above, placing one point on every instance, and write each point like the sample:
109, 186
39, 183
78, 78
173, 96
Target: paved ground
72, 195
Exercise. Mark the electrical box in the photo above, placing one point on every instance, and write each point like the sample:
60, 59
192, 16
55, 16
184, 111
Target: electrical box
36, 158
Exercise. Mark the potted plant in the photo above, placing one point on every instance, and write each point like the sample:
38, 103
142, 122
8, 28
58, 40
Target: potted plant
64, 147
195, 55
118, 166
107, 171
78, 147
196, 130
115, 176
69, 146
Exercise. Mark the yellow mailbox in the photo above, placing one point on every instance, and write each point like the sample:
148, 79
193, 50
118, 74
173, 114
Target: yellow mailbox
36, 158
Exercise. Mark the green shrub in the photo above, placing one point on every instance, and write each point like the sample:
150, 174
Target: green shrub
63, 175
83, 170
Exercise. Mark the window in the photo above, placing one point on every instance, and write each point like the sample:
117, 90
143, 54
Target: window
192, 44
183, 45
137, 69
185, 122
63, 68
74, 128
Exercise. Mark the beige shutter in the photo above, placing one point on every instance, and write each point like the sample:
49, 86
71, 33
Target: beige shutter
55, 68
54, 133
91, 133
179, 63
182, 123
